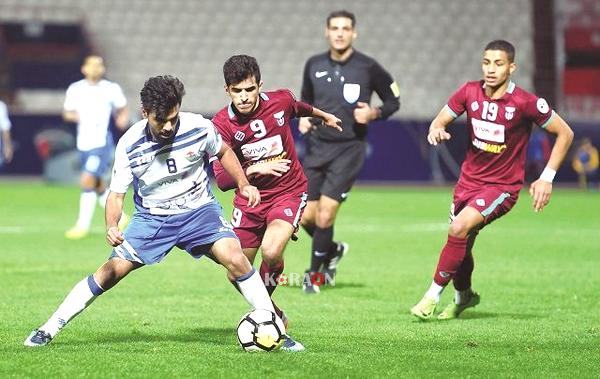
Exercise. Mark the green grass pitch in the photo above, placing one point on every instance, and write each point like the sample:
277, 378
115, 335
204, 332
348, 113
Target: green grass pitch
538, 275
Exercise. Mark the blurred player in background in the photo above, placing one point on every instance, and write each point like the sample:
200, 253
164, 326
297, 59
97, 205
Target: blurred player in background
499, 118
6, 148
585, 163
257, 127
164, 157
340, 81
91, 102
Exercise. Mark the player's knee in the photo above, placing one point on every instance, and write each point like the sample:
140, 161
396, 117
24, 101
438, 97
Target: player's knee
325, 218
238, 264
87, 182
458, 229
272, 255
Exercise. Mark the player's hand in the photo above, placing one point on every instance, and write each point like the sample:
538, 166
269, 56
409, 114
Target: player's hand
540, 190
305, 126
437, 135
275, 167
332, 121
114, 236
363, 113
251, 193
8, 152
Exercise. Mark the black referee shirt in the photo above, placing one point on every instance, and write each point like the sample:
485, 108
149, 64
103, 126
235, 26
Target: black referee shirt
337, 87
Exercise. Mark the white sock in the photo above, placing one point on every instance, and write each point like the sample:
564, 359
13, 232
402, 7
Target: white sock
253, 289
434, 292
87, 206
102, 198
461, 297
82, 295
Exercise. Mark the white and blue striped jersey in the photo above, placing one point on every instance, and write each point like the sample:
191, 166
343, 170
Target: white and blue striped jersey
167, 178
94, 104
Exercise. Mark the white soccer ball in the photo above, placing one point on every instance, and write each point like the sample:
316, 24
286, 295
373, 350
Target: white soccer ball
260, 330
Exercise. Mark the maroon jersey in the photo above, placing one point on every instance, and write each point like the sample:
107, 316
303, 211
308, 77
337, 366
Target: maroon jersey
499, 131
262, 136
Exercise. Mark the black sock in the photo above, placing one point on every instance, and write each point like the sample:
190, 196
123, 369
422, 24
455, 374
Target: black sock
309, 229
321, 244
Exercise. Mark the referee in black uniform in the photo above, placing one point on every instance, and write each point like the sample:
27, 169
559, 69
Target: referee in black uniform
340, 81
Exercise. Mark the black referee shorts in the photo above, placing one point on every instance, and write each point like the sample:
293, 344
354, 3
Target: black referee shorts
332, 167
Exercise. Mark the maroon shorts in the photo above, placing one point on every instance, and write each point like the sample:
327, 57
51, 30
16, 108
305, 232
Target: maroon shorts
250, 224
491, 202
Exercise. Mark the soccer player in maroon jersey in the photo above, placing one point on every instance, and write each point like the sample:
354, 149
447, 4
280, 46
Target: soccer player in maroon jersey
499, 119
256, 125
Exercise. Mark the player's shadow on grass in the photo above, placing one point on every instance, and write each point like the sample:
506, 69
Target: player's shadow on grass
207, 335
501, 315
346, 285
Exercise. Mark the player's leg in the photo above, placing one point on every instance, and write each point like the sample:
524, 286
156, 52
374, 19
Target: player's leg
451, 257
309, 216
282, 218
87, 206
228, 252
80, 297
340, 174
322, 243
464, 296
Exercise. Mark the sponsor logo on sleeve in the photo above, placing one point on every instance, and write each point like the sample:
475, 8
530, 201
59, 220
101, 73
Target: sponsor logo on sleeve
542, 106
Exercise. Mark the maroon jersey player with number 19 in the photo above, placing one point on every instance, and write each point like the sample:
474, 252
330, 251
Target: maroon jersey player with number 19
499, 119
257, 127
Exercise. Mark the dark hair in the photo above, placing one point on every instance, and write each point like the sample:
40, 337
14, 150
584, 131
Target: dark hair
239, 68
161, 94
342, 13
502, 45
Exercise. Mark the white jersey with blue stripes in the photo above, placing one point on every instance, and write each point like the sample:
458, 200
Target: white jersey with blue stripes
168, 178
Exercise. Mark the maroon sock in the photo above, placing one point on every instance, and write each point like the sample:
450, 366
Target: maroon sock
270, 275
451, 258
462, 278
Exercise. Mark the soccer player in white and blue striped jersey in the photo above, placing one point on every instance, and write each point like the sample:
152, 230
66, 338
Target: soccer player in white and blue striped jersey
165, 156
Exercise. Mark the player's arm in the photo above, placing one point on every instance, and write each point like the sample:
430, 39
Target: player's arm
70, 116
232, 166
7, 148
303, 109
122, 118
70, 113
121, 179
307, 96
112, 215
437, 130
387, 90
541, 189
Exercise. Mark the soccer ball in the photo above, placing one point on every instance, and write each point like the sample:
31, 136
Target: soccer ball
260, 330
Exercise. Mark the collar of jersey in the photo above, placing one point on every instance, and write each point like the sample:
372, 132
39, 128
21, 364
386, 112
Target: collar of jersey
233, 114
509, 90
149, 135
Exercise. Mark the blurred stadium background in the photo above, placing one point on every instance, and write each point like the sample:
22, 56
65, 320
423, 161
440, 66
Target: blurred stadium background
430, 47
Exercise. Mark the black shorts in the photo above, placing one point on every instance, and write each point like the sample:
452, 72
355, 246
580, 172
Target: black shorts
332, 167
